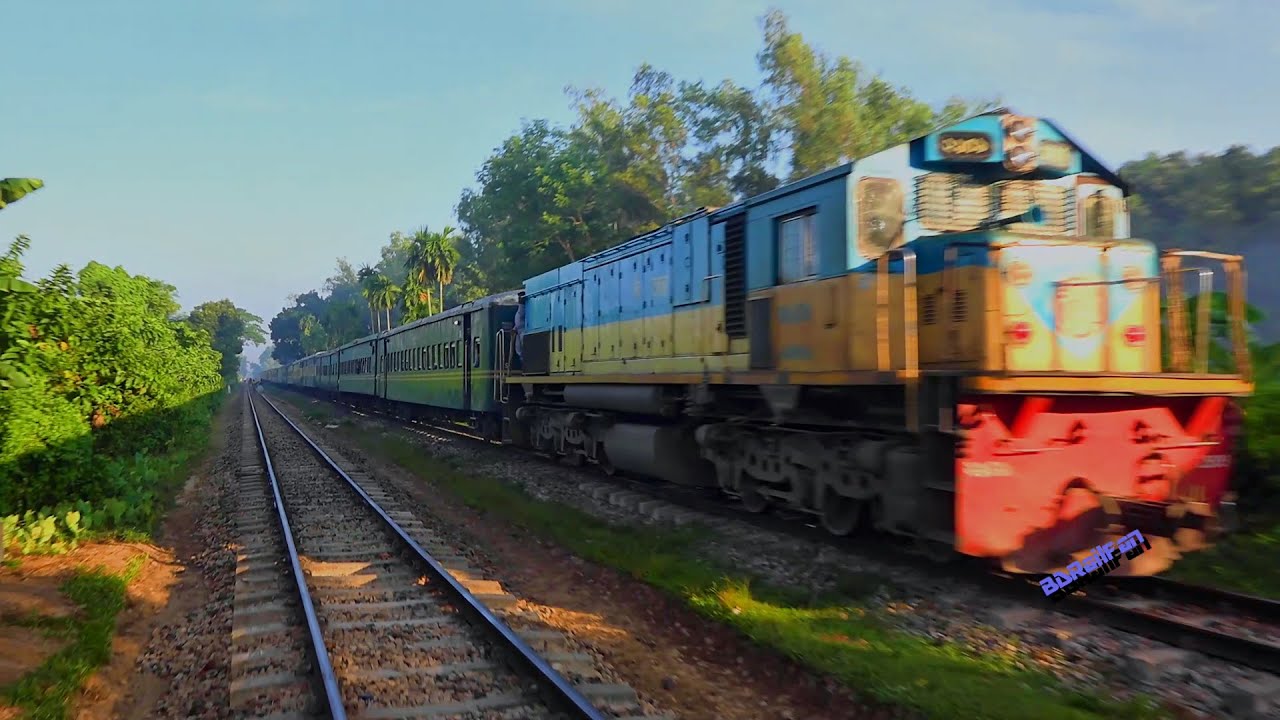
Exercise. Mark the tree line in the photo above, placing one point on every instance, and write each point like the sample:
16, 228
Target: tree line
551, 194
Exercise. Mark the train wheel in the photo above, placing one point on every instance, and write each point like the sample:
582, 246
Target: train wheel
752, 500
841, 515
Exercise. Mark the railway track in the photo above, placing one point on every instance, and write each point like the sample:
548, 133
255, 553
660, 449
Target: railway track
1243, 629
1239, 628
273, 662
374, 612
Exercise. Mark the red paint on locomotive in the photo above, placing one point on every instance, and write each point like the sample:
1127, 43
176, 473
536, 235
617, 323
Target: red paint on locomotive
1041, 478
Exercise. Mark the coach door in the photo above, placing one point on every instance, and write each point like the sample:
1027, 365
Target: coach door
380, 365
468, 350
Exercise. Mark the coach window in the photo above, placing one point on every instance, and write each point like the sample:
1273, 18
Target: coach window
797, 251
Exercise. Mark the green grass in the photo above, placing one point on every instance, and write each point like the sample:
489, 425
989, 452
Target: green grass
835, 634
311, 410
1248, 562
46, 692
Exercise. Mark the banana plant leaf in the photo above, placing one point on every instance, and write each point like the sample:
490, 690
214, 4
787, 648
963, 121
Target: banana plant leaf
15, 285
13, 189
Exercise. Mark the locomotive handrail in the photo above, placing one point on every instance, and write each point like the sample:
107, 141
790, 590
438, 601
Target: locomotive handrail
1171, 262
1233, 267
503, 366
910, 331
1202, 337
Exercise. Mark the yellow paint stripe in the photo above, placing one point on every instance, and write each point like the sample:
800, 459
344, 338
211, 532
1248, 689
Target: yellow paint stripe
720, 378
1112, 384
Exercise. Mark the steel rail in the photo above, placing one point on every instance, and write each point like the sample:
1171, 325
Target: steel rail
556, 688
1264, 608
333, 696
1257, 654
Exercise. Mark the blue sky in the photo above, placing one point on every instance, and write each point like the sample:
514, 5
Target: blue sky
236, 148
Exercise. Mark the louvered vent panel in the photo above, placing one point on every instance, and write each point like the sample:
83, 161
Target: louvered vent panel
929, 309
959, 306
950, 203
1018, 195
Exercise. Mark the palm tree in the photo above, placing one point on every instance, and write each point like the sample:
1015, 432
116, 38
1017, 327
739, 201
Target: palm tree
386, 294
366, 276
444, 258
416, 299
420, 265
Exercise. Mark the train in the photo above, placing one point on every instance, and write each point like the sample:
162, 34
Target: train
954, 341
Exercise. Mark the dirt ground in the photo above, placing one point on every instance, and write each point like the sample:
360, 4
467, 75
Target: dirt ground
108, 693
691, 667
122, 689
33, 586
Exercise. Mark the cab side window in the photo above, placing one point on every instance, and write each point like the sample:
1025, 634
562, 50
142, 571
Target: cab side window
797, 249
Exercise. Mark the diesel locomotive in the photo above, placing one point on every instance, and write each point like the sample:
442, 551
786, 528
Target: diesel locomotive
954, 340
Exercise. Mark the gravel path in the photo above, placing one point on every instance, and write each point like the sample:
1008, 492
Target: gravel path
189, 660
1087, 656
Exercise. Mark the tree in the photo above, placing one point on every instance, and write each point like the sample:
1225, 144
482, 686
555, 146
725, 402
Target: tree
229, 328
735, 132
831, 110
385, 294
368, 289
1228, 202
432, 257
444, 258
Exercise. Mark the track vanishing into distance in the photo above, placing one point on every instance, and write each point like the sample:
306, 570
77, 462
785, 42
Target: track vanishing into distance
273, 652
345, 608
1240, 628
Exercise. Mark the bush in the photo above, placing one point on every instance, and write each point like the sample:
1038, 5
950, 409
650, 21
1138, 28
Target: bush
102, 390
1258, 475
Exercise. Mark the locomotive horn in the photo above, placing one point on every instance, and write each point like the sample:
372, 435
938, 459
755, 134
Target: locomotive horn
1033, 215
